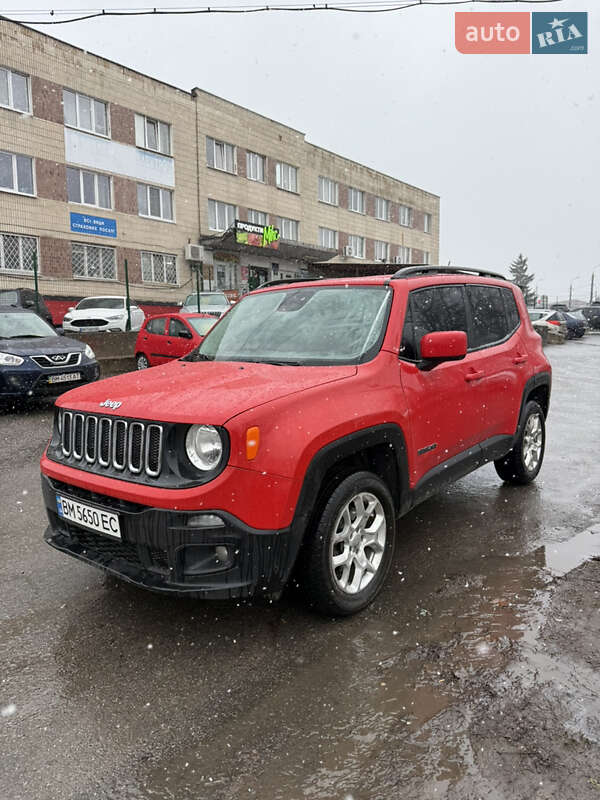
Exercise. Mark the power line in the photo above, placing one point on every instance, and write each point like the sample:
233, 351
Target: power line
351, 6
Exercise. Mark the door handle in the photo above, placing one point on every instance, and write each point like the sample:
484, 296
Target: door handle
519, 359
475, 375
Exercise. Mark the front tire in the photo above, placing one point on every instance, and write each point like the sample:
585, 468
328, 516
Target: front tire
349, 554
522, 464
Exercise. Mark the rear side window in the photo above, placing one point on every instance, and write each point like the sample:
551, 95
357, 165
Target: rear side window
489, 322
156, 325
176, 327
439, 308
512, 312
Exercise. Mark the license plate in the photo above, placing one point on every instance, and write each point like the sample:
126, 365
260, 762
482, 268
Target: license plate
65, 377
95, 519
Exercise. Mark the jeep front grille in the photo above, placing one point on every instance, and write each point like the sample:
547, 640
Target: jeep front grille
111, 443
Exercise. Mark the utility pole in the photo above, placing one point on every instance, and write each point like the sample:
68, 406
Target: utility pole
570, 294
592, 290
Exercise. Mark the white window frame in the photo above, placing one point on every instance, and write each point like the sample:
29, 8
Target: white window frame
163, 257
78, 126
10, 105
355, 194
384, 249
382, 209
22, 270
95, 174
405, 254
229, 152
405, 216
252, 161
286, 226
160, 189
86, 248
16, 190
328, 238
221, 205
255, 219
329, 191
141, 134
427, 222
426, 257
286, 177
357, 243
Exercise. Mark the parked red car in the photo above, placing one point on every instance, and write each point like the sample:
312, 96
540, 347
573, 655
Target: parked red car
169, 336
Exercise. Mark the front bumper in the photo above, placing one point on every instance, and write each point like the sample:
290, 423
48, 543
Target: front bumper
26, 381
111, 325
160, 550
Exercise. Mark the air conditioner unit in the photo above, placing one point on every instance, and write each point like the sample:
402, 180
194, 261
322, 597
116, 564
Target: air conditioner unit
194, 252
348, 250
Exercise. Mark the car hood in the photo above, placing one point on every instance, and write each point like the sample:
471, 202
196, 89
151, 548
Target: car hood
87, 313
208, 392
42, 346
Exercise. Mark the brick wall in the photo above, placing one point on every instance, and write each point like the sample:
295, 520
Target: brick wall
51, 180
125, 195
47, 100
134, 264
122, 124
55, 257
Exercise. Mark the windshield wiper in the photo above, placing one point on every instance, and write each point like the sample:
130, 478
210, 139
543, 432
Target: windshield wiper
27, 336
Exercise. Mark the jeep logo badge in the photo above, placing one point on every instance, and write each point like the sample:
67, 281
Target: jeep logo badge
114, 404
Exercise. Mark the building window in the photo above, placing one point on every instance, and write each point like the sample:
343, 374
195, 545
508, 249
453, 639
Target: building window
152, 134
16, 173
288, 228
405, 216
328, 191
257, 217
357, 243
382, 251
286, 177
427, 223
404, 254
14, 90
92, 261
255, 167
155, 202
225, 275
426, 257
382, 208
88, 188
17, 252
221, 216
221, 155
356, 200
328, 238
159, 268
85, 113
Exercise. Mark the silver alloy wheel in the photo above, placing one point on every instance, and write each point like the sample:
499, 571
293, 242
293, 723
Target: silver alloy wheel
142, 362
358, 542
532, 442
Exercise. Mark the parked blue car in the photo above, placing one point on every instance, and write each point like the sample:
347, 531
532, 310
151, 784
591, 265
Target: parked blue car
575, 326
35, 361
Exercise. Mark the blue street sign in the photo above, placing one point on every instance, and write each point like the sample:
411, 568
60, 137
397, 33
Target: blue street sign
96, 226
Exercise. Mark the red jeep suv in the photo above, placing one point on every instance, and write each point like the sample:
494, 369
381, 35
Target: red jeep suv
311, 418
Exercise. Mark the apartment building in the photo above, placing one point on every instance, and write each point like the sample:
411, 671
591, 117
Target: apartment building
105, 171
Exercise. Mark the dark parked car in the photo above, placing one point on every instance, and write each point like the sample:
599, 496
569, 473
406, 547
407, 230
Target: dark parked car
25, 298
592, 314
35, 361
575, 325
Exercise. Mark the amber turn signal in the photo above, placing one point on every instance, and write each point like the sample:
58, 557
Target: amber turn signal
252, 442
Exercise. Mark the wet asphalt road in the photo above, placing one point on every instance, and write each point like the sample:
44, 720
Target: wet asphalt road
111, 692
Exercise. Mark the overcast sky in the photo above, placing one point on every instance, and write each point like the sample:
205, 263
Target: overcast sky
510, 143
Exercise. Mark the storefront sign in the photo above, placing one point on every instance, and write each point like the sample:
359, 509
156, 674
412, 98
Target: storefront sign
95, 226
257, 235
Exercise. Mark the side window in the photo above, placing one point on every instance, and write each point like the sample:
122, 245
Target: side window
177, 327
512, 312
441, 308
488, 317
156, 325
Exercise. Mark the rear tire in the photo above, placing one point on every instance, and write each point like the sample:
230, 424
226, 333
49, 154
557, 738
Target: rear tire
142, 361
522, 464
348, 556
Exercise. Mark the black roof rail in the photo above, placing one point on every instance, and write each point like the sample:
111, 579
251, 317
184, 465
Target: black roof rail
282, 281
423, 269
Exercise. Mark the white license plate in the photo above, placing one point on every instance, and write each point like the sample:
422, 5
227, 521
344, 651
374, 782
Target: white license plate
95, 519
65, 377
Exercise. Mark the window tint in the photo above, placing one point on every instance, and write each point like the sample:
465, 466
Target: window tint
156, 325
512, 311
441, 308
176, 326
488, 317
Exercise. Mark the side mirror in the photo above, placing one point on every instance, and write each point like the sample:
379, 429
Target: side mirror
441, 346
70, 308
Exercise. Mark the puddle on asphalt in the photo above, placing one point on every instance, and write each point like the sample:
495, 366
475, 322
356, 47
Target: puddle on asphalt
562, 557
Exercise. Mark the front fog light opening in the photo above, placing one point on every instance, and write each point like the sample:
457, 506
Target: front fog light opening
204, 447
205, 521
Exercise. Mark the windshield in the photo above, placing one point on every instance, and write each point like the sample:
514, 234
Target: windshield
201, 324
101, 302
8, 298
16, 326
309, 326
207, 300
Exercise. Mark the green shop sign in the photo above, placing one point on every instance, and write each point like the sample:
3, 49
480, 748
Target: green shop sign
257, 235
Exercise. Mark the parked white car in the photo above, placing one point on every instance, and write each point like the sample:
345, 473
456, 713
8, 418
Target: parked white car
213, 303
108, 313
548, 318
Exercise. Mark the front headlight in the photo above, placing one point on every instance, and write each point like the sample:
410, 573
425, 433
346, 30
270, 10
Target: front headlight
8, 360
89, 353
204, 447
